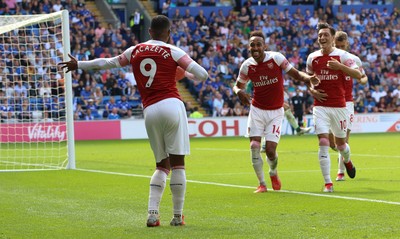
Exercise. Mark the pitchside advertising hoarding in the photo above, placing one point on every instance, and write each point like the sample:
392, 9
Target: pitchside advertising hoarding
206, 127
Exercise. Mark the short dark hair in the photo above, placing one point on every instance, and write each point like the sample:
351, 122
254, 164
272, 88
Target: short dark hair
257, 34
160, 24
324, 25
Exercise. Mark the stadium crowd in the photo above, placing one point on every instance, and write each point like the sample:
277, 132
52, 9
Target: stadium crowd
218, 42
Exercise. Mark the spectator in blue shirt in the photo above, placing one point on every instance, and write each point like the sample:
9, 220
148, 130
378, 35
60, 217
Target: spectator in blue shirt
109, 107
93, 108
114, 114
370, 104
125, 108
86, 94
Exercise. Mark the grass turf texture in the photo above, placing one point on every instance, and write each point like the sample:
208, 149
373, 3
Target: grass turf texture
220, 202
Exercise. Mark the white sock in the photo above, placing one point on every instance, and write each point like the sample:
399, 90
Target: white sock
258, 164
178, 189
273, 164
341, 167
157, 185
346, 154
291, 119
325, 163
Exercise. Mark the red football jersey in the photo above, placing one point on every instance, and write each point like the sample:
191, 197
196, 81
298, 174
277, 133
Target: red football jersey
154, 65
349, 80
333, 82
267, 79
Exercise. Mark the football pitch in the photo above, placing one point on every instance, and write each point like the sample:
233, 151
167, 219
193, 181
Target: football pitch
106, 197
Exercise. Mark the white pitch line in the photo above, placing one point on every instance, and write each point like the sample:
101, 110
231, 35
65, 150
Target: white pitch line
250, 187
296, 152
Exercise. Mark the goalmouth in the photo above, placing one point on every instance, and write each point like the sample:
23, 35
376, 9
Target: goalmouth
36, 111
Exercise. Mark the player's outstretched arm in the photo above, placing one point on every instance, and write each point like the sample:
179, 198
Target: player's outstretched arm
302, 76
96, 64
198, 71
70, 65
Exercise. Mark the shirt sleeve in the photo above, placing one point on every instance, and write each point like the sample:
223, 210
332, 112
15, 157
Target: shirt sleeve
282, 62
309, 68
243, 73
107, 63
347, 60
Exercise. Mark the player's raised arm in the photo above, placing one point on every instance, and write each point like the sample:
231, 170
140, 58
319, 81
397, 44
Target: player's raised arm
96, 64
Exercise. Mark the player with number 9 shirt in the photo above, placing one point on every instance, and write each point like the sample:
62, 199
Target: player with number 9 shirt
155, 64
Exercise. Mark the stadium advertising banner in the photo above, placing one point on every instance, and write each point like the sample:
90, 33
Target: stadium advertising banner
205, 127
33, 132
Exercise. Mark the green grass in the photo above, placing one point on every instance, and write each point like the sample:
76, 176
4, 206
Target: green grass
111, 201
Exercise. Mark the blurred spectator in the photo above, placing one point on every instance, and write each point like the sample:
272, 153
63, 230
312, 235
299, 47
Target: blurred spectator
45, 90
226, 110
125, 108
93, 108
136, 22
88, 115
165, 7
370, 104
111, 104
114, 114
196, 114
360, 102
217, 104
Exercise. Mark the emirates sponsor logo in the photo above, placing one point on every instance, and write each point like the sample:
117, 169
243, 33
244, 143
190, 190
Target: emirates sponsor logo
325, 75
46, 132
265, 81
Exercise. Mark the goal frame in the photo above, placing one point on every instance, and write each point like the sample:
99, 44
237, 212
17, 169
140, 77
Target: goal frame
69, 120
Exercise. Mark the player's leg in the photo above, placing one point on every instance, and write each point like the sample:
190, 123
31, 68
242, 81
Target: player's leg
272, 160
178, 188
157, 185
293, 122
262, 145
342, 168
322, 125
272, 139
256, 123
339, 129
177, 145
257, 163
159, 177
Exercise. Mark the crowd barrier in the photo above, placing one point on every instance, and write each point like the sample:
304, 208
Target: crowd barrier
205, 127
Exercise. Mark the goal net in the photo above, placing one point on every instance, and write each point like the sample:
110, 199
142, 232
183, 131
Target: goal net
36, 128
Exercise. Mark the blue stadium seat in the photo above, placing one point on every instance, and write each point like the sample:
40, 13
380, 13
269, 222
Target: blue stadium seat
105, 99
117, 98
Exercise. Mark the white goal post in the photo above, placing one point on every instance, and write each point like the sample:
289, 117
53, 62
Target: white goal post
37, 127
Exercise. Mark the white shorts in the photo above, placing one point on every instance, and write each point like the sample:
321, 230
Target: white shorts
167, 127
266, 123
326, 118
350, 110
